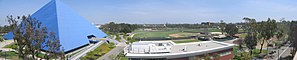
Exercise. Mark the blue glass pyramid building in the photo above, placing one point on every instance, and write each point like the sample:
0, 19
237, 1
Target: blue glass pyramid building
70, 28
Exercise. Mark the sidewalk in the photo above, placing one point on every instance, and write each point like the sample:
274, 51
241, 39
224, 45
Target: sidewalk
4, 43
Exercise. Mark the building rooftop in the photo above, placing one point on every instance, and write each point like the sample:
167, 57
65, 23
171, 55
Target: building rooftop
171, 49
178, 48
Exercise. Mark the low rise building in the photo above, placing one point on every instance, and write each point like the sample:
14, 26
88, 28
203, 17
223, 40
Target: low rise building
168, 50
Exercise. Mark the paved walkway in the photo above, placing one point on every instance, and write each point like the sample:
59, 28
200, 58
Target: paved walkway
114, 52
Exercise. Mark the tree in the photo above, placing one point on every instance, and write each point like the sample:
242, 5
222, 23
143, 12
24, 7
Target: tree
249, 24
222, 26
240, 45
292, 35
266, 30
216, 56
250, 40
114, 28
206, 57
5, 29
263, 31
30, 36
18, 36
1, 39
246, 56
54, 47
231, 29
117, 37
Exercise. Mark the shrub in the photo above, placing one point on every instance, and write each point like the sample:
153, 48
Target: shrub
9, 54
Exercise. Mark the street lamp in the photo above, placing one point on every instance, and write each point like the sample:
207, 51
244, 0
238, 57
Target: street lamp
278, 47
277, 54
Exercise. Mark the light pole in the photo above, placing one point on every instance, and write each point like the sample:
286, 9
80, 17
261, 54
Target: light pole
277, 54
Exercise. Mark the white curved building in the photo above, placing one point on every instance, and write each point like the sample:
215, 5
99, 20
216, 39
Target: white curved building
168, 50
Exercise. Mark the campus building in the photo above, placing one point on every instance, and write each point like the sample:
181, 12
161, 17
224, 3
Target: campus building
168, 50
70, 28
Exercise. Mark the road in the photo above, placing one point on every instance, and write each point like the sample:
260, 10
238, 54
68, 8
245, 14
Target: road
114, 52
284, 51
230, 41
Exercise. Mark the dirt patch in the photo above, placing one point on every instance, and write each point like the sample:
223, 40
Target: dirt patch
175, 35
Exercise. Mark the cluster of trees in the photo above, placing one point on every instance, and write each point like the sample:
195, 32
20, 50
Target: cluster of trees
31, 37
189, 26
186, 26
264, 31
230, 29
5, 28
114, 28
291, 34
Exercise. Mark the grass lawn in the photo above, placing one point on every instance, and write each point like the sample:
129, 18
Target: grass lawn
192, 30
40, 55
98, 52
149, 34
10, 55
202, 30
214, 30
184, 34
13, 46
124, 58
257, 51
240, 30
185, 41
242, 35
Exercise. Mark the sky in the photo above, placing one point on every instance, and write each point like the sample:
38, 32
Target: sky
161, 11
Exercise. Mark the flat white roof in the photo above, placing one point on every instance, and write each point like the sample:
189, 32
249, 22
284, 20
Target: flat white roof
195, 46
168, 49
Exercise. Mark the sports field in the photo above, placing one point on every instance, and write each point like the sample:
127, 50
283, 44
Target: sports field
150, 34
169, 33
